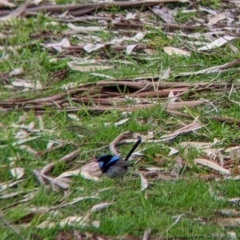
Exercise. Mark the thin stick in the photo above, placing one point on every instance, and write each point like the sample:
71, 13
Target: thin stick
10, 227
113, 144
133, 148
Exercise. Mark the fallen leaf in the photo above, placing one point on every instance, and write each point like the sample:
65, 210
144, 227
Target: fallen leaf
91, 47
73, 117
91, 171
212, 165
146, 234
64, 43
81, 29
217, 43
172, 151
165, 75
87, 68
144, 182
6, 3
100, 206
9, 184
96, 224
195, 125
121, 122
215, 19
17, 173
16, 72
27, 84
229, 222
177, 167
164, 13
16, 12
130, 15
130, 48
9, 195
74, 220
69, 221
176, 51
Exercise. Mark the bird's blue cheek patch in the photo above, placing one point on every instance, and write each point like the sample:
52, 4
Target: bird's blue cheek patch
100, 164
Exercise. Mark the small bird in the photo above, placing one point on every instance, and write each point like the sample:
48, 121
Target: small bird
115, 166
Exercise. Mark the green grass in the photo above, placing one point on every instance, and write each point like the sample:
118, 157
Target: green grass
133, 211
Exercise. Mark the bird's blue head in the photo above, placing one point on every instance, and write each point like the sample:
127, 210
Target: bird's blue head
106, 161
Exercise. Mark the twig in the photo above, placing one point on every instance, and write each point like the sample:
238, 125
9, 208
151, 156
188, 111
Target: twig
38, 176
41, 153
176, 221
113, 144
146, 234
17, 12
215, 118
65, 159
10, 227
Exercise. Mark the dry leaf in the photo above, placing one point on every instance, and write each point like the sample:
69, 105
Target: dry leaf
46, 224
144, 182
130, 15
10, 195
87, 68
6, 3
73, 117
235, 155
96, 224
21, 141
17, 173
5, 185
102, 76
195, 125
215, 19
16, 12
164, 13
182, 104
212, 165
27, 84
74, 220
217, 43
28, 149
231, 235
130, 48
100, 206
91, 47
16, 72
64, 43
172, 151
139, 36
69, 221
91, 171
200, 145
229, 222
75, 200
216, 69
70, 173
146, 234
177, 167
121, 122
81, 29
165, 75
176, 51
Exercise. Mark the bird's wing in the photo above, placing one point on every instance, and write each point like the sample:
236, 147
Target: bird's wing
121, 163
113, 160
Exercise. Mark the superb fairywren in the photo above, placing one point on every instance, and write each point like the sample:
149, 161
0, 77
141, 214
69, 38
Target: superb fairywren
115, 166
